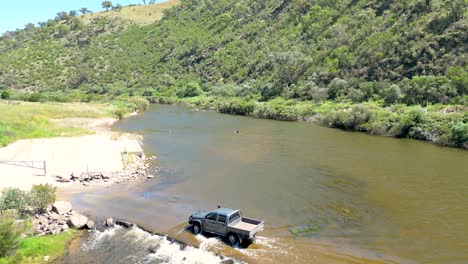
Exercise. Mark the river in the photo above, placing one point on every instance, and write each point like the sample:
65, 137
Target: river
325, 195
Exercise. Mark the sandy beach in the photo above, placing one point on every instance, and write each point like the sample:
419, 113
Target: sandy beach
98, 152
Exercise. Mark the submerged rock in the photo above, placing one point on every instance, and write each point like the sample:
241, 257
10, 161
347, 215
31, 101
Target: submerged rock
90, 225
109, 222
153, 249
124, 223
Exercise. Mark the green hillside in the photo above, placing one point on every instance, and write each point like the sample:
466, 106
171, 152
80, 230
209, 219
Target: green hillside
392, 67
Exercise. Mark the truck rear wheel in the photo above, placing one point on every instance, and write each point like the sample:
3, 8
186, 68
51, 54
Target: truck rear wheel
196, 228
233, 239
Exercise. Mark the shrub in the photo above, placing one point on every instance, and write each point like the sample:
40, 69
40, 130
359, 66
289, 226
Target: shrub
42, 195
15, 199
190, 89
10, 235
460, 133
236, 106
5, 95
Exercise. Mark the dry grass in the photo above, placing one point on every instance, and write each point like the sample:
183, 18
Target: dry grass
140, 14
20, 120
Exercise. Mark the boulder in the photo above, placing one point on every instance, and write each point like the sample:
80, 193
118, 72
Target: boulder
90, 225
55, 216
153, 249
109, 222
124, 223
77, 220
64, 228
62, 208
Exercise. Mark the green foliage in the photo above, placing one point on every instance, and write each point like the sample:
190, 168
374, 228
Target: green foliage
460, 133
42, 195
5, 95
236, 106
106, 5
14, 199
284, 60
10, 236
190, 89
53, 246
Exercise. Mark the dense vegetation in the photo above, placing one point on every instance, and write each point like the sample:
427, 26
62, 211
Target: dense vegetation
389, 67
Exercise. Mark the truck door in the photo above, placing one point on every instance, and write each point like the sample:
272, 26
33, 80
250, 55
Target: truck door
210, 222
221, 224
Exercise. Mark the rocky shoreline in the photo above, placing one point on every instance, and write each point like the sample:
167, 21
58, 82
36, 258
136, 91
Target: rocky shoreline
58, 218
138, 168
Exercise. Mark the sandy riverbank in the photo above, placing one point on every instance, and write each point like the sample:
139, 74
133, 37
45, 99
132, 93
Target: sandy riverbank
101, 151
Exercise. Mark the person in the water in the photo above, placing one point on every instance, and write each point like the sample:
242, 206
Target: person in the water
237, 131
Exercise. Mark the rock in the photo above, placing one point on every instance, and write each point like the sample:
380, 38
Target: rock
153, 249
90, 225
109, 222
150, 177
46, 258
62, 208
31, 210
124, 223
54, 216
56, 231
227, 261
77, 220
64, 178
65, 227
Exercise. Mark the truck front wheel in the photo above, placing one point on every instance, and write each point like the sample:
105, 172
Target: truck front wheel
196, 228
233, 239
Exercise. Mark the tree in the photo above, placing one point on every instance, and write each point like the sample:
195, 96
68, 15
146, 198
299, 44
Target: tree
85, 11
61, 16
144, 2
10, 236
106, 5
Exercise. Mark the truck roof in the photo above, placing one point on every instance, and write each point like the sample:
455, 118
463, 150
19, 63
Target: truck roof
225, 211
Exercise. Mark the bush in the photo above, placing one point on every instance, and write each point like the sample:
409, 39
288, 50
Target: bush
15, 199
42, 195
460, 133
236, 106
190, 89
10, 235
5, 95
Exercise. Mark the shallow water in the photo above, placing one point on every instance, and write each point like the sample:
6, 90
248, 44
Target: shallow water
325, 194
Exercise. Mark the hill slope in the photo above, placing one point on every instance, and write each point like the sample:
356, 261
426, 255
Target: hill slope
276, 58
140, 14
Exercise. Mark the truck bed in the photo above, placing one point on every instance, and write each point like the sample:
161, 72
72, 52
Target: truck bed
247, 226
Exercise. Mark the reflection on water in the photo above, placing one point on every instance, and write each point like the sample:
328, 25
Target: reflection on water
318, 189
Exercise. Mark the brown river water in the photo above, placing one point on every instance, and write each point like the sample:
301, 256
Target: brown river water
326, 196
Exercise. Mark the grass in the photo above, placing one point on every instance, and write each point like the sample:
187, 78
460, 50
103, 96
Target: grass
21, 120
140, 14
33, 249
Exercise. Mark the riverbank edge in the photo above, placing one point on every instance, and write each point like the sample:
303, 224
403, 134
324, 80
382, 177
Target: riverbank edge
65, 193
412, 122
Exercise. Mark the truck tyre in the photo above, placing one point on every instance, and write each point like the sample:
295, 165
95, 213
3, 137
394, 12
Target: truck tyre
233, 239
196, 228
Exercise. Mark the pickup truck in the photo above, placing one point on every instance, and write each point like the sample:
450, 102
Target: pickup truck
226, 222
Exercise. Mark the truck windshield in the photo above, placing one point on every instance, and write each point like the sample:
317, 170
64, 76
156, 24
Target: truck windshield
234, 217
